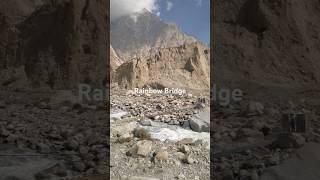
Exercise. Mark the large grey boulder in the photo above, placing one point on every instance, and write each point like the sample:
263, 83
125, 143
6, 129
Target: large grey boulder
199, 125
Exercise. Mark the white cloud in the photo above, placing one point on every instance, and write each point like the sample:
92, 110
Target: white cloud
198, 2
169, 5
120, 8
158, 13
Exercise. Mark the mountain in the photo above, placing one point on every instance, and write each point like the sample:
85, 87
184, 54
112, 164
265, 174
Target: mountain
138, 32
157, 54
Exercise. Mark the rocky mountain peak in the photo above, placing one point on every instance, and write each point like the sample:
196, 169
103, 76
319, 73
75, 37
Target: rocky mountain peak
137, 33
145, 12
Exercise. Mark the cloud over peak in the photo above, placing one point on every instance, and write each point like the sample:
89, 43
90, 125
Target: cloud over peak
120, 8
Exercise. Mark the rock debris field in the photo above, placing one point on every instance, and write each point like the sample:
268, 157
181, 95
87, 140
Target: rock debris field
249, 142
50, 135
159, 136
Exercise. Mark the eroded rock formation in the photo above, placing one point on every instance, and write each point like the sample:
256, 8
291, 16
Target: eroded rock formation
266, 42
57, 44
183, 66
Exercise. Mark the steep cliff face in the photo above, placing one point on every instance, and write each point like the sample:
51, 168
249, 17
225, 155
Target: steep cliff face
267, 42
115, 61
184, 66
135, 34
12, 72
57, 43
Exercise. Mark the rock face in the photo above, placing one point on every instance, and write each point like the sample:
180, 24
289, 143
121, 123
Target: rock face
267, 42
147, 51
115, 62
138, 32
183, 66
54, 43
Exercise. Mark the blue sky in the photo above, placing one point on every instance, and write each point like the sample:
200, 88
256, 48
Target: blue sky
192, 16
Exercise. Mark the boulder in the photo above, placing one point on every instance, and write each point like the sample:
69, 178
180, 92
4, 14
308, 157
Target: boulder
162, 155
286, 140
144, 147
199, 125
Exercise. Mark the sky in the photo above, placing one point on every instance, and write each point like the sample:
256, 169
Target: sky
192, 16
